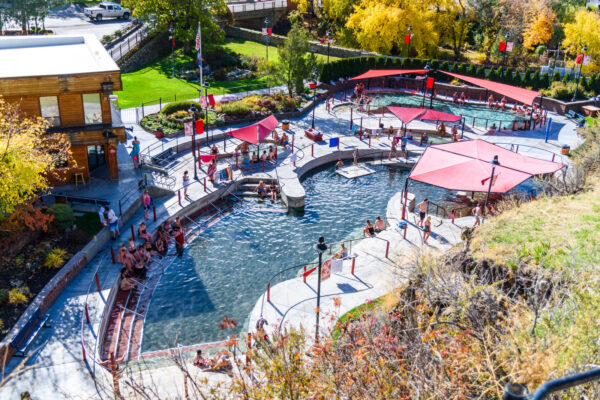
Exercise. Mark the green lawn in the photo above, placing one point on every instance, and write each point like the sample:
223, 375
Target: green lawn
154, 81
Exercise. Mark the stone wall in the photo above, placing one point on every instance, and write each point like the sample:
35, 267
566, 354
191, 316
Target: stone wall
276, 40
155, 47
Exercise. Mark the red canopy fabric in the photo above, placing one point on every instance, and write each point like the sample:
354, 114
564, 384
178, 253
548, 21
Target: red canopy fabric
433, 115
406, 114
525, 96
378, 73
257, 132
467, 166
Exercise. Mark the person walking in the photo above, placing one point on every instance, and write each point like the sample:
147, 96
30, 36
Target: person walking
186, 183
477, 214
426, 229
422, 206
113, 223
146, 201
135, 151
355, 155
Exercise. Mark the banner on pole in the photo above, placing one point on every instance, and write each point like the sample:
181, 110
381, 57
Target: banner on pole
199, 127
203, 102
189, 129
430, 83
586, 60
333, 142
312, 85
579, 59
264, 31
407, 39
502, 46
509, 46
211, 99
326, 270
270, 31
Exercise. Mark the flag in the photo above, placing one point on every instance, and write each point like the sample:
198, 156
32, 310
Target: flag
312, 85
198, 39
579, 59
494, 179
211, 99
199, 57
199, 127
502, 46
264, 31
173, 41
333, 142
323, 41
429, 83
188, 128
586, 60
199, 49
203, 102
269, 31
509, 46
407, 39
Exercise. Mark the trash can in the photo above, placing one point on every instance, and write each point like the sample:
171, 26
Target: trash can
159, 133
565, 149
285, 124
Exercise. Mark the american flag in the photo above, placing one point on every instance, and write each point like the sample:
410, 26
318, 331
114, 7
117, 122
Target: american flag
198, 39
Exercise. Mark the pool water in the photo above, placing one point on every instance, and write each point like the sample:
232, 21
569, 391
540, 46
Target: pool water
480, 114
226, 270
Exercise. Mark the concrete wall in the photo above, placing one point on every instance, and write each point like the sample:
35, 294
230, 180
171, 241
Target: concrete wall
157, 46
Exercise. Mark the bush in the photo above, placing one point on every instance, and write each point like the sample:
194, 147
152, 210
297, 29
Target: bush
454, 67
18, 295
541, 49
55, 258
3, 297
560, 90
180, 115
235, 108
556, 76
445, 66
220, 75
471, 70
566, 78
63, 216
481, 72
179, 106
462, 68
435, 64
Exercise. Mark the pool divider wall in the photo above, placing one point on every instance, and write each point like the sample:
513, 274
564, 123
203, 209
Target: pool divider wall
110, 301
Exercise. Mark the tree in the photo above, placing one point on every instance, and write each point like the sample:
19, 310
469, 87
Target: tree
583, 31
454, 16
541, 25
27, 154
294, 63
183, 16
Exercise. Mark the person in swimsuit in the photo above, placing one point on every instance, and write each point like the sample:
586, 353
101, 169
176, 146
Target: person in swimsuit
379, 224
159, 246
143, 233
212, 168
285, 140
273, 191
393, 151
122, 250
254, 158
454, 133
369, 229
355, 155
131, 245
200, 361
426, 229
127, 283
214, 150
339, 164
477, 214
422, 206
177, 224
462, 98
146, 201
341, 253
403, 144
186, 183
261, 189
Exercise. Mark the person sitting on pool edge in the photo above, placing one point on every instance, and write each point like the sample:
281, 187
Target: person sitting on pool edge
273, 191
200, 361
341, 253
261, 189
379, 224
285, 140
368, 230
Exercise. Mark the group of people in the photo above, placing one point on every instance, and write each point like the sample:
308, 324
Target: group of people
219, 362
264, 191
424, 219
283, 141
459, 100
371, 229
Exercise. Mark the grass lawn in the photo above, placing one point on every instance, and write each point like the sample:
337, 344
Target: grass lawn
154, 81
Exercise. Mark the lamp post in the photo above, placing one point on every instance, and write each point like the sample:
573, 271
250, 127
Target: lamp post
315, 76
320, 247
579, 74
206, 85
555, 61
427, 68
494, 163
328, 34
172, 39
408, 44
193, 111
504, 55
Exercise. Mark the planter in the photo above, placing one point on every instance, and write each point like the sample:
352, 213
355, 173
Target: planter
565, 149
285, 124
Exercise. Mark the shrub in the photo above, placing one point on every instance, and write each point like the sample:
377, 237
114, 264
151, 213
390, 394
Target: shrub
55, 258
118, 33
471, 70
435, 64
18, 295
179, 106
541, 49
444, 66
235, 108
556, 76
3, 297
560, 90
481, 72
492, 75
566, 78
462, 68
106, 38
454, 67
220, 74
180, 115
63, 216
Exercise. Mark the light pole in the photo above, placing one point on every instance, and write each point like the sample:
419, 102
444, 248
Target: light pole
328, 34
267, 40
193, 111
408, 44
172, 39
320, 247
206, 85
315, 76
427, 68
555, 61
580, 67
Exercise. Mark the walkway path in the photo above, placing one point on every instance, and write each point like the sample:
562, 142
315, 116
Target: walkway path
56, 357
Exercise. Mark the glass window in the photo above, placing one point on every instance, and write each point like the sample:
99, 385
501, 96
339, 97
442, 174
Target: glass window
92, 109
49, 109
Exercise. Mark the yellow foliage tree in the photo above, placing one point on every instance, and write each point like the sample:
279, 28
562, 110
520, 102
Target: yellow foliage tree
584, 30
540, 27
380, 25
27, 153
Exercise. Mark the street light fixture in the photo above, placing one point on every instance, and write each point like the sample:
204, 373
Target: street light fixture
193, 111
320, 247
580, 67
315, 76
408, 44
172, 39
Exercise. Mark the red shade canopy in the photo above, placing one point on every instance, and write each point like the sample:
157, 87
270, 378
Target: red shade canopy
406, 114
433, 115
257, 132
525, 96
467, 166
378, 73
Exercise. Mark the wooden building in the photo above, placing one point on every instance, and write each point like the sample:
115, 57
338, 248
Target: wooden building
67, 79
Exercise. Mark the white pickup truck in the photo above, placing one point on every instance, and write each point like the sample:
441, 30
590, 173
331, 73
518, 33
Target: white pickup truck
106, 10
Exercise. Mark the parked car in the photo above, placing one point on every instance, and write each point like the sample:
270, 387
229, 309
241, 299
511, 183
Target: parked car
106, 10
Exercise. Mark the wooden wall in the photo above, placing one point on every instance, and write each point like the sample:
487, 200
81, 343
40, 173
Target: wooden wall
52, 85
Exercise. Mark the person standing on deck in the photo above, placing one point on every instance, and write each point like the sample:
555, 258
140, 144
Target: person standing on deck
422, 206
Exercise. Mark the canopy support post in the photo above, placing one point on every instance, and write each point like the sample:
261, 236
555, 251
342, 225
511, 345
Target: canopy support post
487, 196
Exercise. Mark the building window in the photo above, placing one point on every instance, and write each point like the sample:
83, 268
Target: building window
92, 109
49, 109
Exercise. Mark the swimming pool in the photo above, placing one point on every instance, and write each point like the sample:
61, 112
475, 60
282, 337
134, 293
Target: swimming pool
480, 114
226, 270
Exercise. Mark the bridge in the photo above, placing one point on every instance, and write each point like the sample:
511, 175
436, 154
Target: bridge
251, 14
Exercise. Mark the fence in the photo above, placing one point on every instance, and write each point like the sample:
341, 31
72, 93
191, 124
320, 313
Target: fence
128, 43
257, 6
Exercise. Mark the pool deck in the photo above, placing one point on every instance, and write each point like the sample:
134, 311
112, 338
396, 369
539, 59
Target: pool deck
56, 365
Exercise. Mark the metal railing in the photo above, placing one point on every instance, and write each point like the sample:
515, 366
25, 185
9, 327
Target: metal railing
129, 43
257, 6
519, 392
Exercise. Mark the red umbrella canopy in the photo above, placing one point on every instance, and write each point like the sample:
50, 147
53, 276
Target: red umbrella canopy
406, 114
257, 132
467, 166
434, 115
378, 73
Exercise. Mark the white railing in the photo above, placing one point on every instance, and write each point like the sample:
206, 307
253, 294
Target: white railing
262, 5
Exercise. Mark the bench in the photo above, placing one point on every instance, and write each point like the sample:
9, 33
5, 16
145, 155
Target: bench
162, 156
572, 115
313, 135
26, 335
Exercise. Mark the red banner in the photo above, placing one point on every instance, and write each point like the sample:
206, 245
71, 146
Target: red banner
199, 127
579, 59
502, 46
326, 270
407, 39
211, 99
429, 83
312, 85
270, 32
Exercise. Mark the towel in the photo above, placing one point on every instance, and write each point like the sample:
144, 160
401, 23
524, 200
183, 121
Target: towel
333, 142
336, 266
293, 157
206, 158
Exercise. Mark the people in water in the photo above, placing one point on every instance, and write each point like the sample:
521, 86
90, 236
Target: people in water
261, 189
273, 191
339, 164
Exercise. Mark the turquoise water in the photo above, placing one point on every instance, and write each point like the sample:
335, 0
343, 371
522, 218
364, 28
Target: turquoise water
480, 113
224, 272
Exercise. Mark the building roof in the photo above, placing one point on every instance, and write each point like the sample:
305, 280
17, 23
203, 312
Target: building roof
45, 55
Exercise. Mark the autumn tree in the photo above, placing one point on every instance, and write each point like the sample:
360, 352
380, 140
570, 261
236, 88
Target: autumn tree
183, 16
27, 154
455, 20
584, 30
541, 25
